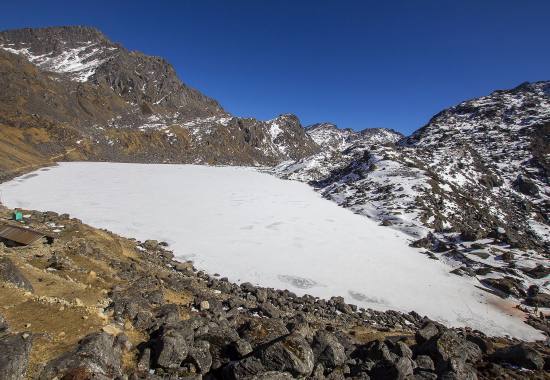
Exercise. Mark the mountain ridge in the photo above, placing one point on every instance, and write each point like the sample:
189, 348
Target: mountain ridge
129, 106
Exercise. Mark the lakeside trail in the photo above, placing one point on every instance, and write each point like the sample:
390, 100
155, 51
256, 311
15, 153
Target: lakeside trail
96, 305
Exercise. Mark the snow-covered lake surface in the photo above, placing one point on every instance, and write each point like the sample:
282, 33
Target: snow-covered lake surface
251, 226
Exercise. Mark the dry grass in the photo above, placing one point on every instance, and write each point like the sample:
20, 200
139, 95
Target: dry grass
365, 334
68, 304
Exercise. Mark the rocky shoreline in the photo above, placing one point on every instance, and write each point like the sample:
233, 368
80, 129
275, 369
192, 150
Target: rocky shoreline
94, 305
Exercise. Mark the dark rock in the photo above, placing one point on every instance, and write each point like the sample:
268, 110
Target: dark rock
464, 271
507, 285
427, 332
341, 305
447, 348
221, 338
533, 290
538, 272
261, 294
401, 349
400, 369
483, 271
485, 345
520, 355
144, 361
246, 368
539, 300
10, 273
431, 242
59, 262
507, 256
172, 346
376, 351
290, 354
151, 245
424, 375
261, 331
97, 354
199, 356
269, 310
239, 349
3, 324
526, 186
425, 362
14, 356
328, 350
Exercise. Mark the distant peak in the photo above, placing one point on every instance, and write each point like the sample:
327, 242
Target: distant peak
72, 33
325, 125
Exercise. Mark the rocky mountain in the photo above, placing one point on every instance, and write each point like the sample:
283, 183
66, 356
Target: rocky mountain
71, 91
329, 136
471, 187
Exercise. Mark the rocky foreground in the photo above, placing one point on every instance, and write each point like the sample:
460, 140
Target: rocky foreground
94, 305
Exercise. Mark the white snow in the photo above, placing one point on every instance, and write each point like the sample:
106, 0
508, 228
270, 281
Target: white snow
80, 62
252, 226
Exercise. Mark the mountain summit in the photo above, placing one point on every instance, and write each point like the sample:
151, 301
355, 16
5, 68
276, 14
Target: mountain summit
91, 97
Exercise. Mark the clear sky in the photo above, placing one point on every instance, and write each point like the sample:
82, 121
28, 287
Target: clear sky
356, 63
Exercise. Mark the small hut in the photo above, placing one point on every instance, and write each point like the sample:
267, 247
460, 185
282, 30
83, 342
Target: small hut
16, 236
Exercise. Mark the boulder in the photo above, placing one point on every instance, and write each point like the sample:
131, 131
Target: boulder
10, 273
199, 355
400, 369
525, 186
98, 354
376, 351
263, 330
246, 368
14, 356
428, 330
172, 346
328, 350
424, 362
239, 349
447, 348
151, 245
507, 285
59, 262
269, 310
341, 305
520, 355
221, 338
401, 349
290, 354
538, 272
539, 300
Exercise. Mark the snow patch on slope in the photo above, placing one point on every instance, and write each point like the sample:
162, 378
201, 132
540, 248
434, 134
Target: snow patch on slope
80, 62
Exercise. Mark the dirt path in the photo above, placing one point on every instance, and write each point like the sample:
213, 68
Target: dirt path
49, 160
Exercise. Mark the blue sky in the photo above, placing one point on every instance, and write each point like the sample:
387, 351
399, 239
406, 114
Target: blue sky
357, 63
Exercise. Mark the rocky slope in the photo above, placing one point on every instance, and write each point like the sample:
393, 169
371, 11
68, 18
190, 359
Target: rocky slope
471, 187
95, 305
330, 137
71, 90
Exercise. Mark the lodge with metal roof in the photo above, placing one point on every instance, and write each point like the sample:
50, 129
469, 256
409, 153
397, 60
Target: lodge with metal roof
12, 235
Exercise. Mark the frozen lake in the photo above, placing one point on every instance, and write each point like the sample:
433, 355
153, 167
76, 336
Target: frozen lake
251, 226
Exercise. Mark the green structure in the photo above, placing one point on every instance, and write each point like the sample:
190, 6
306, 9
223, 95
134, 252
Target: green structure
18, 216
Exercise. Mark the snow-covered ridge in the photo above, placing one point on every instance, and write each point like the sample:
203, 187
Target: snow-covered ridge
329, 136
474, 181
80, 63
